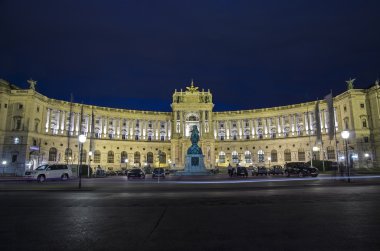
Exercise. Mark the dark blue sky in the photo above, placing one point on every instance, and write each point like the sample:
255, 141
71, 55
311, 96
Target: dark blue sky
133, 54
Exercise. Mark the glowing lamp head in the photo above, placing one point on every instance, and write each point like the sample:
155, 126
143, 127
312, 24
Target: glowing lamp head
126, 161
4, 162
269, 158
345, 134
366, 155
90, 153
82, 138
315, 148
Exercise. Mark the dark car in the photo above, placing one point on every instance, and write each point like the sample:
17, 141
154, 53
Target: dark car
136, 173
262, 170
158, 172
241, 171
276, 170
300, 169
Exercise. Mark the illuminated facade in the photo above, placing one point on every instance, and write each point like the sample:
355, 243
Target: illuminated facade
35, 129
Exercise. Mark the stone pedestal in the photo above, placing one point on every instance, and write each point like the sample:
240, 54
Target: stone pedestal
194, 166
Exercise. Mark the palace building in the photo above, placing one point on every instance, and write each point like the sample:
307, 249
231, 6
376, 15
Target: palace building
35, 129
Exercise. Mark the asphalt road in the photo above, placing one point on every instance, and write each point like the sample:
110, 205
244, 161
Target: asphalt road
191, 214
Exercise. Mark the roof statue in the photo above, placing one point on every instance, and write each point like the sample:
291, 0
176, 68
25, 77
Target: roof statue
377, 82
350, 83
32, 84
192, 89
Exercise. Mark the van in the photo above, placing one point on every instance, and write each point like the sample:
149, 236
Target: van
49, 172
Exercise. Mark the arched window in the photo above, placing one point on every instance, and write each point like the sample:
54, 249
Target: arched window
84, 156
248, 157
222, 157
301, 155
273, 155
364, 123
123, 157
260, 156
235, 157
149, 158
97, 156
136, 157
330, 152
287, 155
53, 154
162, 158
110, 157
68, 154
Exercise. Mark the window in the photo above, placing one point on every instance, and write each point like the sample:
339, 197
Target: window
5, 106
162, 158
287, 155
136, 157
36, 124
68, 154
235, 157
84, 156
53, 154
344, 108
366, 139
149, 158
162, 138
97, 156
38, 109
14, 157
248, 157
136, 137
20, 106
273, 156
301, 155
123, 136
16, 140
260, 156
364, 123
222, 157
110, 157
330, 152
123, 157
149, 138
17, 123
362, 105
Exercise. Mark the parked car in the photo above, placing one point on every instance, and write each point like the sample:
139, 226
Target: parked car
262, 170
241, 171
158, 172
276, 170
49, 172
110, 173
300, 169
136, 173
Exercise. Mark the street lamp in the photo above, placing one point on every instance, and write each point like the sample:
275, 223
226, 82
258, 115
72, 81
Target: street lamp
82, 139
4, 164
88, 168
366, 155
345, 135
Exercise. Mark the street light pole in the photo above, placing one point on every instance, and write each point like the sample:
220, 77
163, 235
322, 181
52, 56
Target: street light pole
345, 135
88, 167
82, 139
4, 164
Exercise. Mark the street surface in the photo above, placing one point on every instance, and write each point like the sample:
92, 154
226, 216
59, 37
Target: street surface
183, 213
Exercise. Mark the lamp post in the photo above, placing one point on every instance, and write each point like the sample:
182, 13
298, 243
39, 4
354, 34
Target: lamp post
88, 168
82, 139
366, 155
345, 135
4, 164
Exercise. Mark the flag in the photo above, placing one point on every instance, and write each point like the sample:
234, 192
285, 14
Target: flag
331, 118
318, 123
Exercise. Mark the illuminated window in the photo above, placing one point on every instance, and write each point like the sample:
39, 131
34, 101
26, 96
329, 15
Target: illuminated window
287, 155
301, 155
260, 156
222, 157
110, 157
235, 157
273, 156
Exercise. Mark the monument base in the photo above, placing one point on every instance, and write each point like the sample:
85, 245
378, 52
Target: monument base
194, 166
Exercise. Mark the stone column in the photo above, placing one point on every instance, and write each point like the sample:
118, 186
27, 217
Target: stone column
77, 123
47, 125
63, 122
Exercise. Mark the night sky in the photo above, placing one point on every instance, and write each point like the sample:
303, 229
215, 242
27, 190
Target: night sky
133, 54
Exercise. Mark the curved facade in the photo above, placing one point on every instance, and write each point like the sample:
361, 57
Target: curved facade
35, 129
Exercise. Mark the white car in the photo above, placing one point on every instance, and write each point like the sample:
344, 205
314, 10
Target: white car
49, 172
